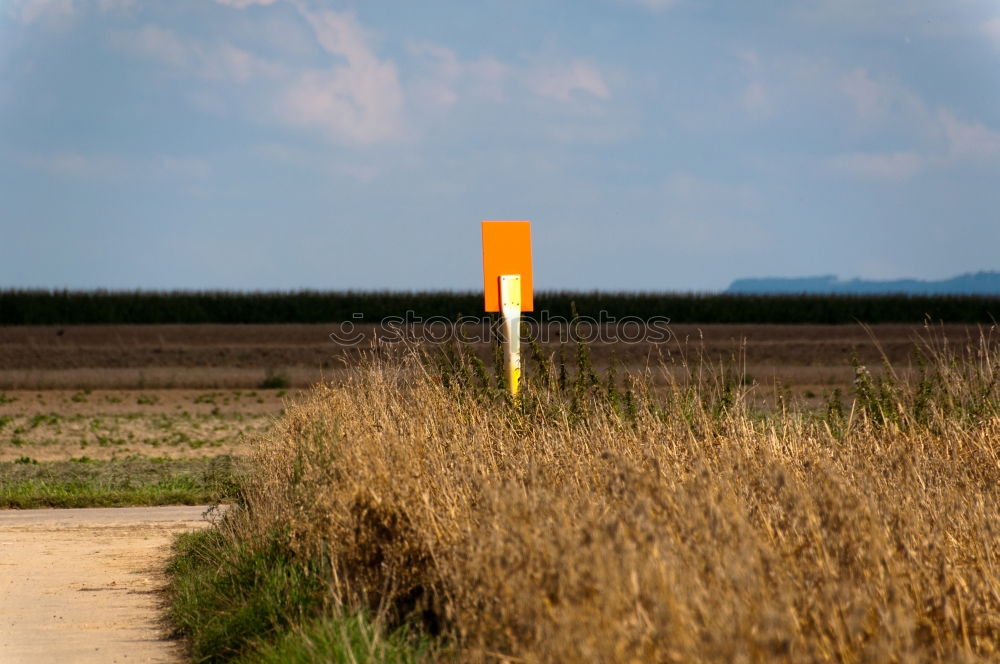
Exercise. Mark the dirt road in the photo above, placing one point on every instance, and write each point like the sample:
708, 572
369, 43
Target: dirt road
81, 585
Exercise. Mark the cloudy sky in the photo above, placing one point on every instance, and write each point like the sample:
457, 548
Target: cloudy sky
654, 144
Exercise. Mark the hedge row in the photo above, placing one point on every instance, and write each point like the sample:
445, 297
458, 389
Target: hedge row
40, 307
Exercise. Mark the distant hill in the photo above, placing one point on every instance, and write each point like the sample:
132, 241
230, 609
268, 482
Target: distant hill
979, 283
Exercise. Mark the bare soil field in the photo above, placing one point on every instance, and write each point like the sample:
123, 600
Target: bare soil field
58, 425
183, 391
243, 356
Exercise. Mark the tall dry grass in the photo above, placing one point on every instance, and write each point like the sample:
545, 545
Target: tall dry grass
595, 525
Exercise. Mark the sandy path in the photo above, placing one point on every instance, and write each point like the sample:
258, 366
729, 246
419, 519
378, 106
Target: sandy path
80, 585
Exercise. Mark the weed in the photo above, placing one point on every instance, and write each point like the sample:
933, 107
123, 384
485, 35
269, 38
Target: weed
49, 419
256, 601
356, 638
274, 380
835, 412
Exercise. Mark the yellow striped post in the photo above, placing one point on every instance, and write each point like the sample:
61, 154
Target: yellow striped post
510, 308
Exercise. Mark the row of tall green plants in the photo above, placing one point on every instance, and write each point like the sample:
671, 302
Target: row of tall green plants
66, 307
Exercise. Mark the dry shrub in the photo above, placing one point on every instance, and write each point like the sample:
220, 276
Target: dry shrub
677, 532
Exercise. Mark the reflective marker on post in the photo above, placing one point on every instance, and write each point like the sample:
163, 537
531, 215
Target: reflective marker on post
507, 286
510, 306
506, 250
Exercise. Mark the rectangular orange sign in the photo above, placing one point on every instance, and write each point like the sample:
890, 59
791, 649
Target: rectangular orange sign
507, 250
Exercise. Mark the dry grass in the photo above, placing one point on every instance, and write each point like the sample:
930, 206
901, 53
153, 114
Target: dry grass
685, 527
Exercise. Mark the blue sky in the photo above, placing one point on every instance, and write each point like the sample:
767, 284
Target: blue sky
654, 144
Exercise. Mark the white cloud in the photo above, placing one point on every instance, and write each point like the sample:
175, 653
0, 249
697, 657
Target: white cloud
969, 140
226, 61
869, 98
29, 11
565, 82
655, 5
963, 142
438, 87
486, 78
112, 5
360, 100
881, 103
351, 94
991, 29
879, 165
172, 166
77, 165
221, 61
594, 133
155, 43
814, 86
444, 78
755, 98
923, 137
96, 166
243, 4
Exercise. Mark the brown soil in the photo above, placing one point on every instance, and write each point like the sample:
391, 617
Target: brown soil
85, 585
144, 402
242, 356
179, 391
57, 425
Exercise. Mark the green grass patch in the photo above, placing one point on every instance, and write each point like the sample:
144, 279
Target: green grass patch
84, 482
274, 380
238, 600
346, 639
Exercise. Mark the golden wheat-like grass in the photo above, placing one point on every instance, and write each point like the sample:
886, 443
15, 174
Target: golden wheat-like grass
682, 533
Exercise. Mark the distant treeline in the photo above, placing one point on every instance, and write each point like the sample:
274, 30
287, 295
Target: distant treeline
39, 307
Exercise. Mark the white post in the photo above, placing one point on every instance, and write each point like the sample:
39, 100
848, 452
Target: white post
510, 306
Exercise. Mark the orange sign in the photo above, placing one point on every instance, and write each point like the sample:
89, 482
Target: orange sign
507, 250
